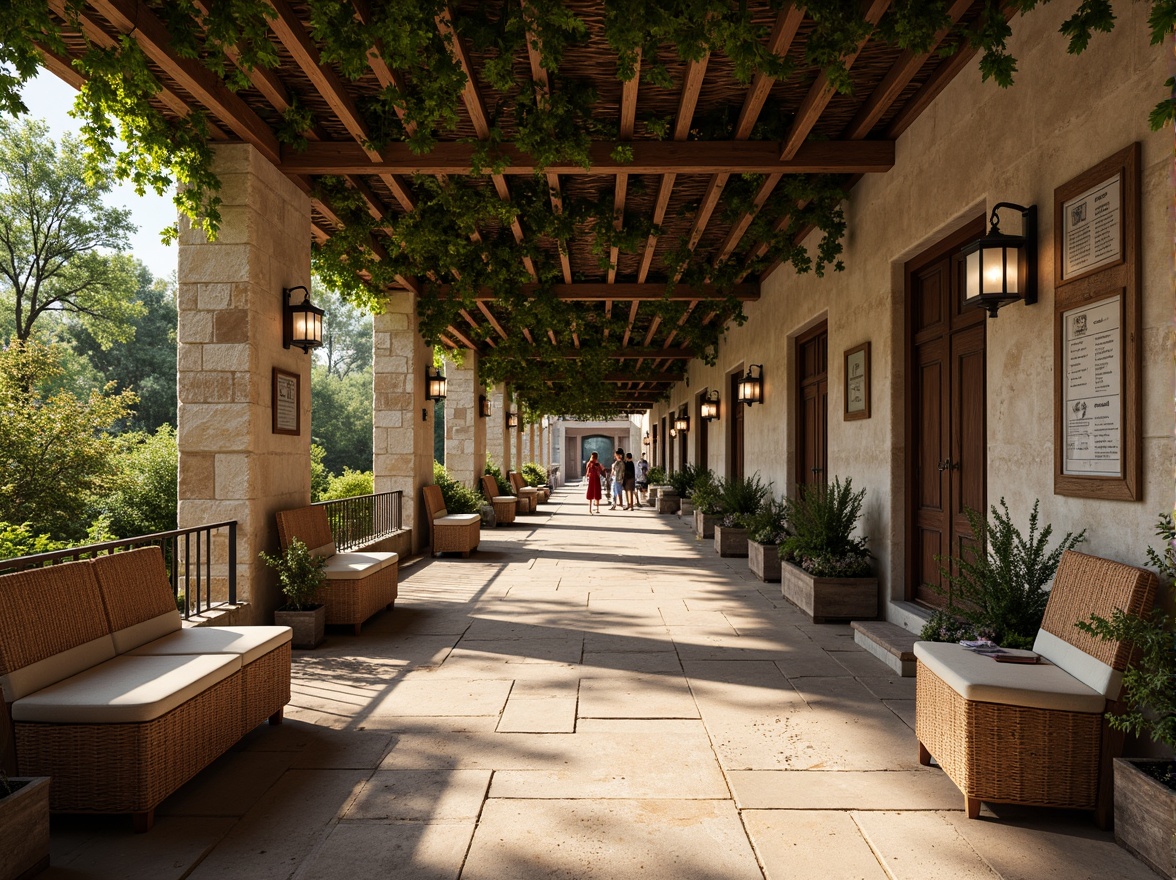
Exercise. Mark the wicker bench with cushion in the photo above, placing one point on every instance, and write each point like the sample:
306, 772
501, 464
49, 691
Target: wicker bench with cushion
1034, 734
504, 505
107, 693
359, 584
450, 532
525, 493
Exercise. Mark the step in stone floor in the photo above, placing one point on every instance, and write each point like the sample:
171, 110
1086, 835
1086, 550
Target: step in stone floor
587, 697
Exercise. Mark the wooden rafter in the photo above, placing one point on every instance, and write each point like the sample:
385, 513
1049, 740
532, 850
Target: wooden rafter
621, 188
136, 19
629, 354
485, 310
599, 291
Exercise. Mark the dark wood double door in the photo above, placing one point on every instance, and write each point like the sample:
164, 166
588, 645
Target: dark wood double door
946, 406
812, 424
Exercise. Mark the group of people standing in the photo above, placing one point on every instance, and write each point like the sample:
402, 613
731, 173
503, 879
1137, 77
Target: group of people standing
625, 479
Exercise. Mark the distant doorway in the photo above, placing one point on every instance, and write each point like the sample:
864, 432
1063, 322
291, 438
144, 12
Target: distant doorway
812, 438
735, 435
603, 447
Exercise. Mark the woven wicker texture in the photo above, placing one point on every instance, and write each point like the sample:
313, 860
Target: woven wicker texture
308, 524
134, 586
265, 687
354, 601
131, 768
449, 537
434, 501
1087, 585
1009, 754
504, 511
46, 611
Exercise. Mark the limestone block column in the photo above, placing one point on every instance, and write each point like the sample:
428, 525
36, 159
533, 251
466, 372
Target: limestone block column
232, 466
402, 420
496, 427
465, 429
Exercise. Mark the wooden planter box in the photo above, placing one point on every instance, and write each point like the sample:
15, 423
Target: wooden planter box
667, 501
24, 829
652, 494
309, 626
1145, 816
686, 508
704, 523
764, 561
730, 541
829, 600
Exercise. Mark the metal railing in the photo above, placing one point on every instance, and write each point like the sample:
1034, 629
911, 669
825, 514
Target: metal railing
199, 581
356, 522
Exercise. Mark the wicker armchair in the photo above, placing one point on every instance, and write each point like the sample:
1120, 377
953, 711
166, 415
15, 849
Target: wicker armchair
1035, 734
528, 496
504, 505
450, 532
358, 584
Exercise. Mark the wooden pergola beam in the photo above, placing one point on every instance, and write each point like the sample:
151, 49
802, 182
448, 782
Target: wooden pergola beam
630, 354
599, 291
135, 19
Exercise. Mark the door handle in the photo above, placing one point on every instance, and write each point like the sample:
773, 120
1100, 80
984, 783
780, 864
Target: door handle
948, 465
817, 470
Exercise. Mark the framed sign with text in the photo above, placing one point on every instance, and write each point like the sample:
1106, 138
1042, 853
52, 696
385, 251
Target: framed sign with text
287, 402
857, 383
1097, 355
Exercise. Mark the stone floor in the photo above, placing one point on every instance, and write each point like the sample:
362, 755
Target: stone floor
587, 697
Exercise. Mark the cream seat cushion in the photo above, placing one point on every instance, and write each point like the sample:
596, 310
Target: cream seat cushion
499, 499
131, 637
248, 642
458, 518
982, 680
357, 566
126, 690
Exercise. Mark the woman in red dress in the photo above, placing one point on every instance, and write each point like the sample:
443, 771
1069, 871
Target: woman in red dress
592, 473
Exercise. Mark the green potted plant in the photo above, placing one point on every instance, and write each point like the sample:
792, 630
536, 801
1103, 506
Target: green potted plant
740, 501
765, 532
656, 479
825, 570
301, 575
707, 498
24, 826
1145, 789
1000, 593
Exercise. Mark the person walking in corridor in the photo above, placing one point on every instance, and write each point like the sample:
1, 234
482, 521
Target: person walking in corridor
593, 471
630, 481
643, 478
618, 479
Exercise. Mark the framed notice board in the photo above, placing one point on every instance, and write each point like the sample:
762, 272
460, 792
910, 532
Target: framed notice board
1097, 353
287, 402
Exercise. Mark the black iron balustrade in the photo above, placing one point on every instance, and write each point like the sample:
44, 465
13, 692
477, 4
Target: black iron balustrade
186, 552
363, 519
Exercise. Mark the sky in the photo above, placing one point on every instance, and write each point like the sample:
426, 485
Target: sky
50, 99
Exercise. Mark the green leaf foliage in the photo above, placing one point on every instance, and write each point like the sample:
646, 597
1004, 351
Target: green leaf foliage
744, 496
458, 497
1149, 683
769, 525
143, 496
301, 574
657, 475
349, 484
823, 519
534, 474
1000, 587
320, 477
56, 450
504, 487
19, 540
342, 418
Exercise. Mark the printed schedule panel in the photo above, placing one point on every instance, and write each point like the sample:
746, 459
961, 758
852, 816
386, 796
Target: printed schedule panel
1092, 412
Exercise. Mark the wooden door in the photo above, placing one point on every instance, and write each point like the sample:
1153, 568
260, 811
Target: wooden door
812, 437
946, 406
735, 459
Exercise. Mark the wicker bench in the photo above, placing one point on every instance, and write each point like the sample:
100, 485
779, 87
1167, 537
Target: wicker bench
358, 584
1034, 734
525, 493
505, 506
107, 693
450, 532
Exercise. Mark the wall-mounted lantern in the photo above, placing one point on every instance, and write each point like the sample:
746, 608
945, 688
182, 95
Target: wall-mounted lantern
751, 387
302, 325
485, 406
645, 439
435, 385
709, 408
673, 433
1000, 269
682, 423
512, 419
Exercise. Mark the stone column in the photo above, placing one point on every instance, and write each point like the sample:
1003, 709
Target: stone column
232, 466
495, 426
402, 420
465, 429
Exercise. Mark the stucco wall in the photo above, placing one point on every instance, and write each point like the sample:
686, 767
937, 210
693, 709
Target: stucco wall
975, 146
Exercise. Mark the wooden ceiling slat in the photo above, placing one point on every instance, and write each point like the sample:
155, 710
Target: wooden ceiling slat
897, 78
632, 321
599, 291
649, 157
621, 188
930, 89
461, 337
133, 18
485, 310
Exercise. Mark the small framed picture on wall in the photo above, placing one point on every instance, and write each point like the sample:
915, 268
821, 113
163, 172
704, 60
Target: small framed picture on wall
287, 402
857, 382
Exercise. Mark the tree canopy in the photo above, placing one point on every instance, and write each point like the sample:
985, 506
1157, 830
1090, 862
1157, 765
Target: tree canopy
61, 245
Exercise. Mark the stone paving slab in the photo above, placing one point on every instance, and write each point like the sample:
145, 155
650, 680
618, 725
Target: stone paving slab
812, 845
636, 695
400, 851
538, 715
420, 796
927, 789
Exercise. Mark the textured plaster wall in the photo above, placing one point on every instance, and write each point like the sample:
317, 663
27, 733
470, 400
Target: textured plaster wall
975, 146
232, 465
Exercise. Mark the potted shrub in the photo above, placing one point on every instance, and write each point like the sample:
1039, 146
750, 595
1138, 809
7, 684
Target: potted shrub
301, 576
656, 479
707, 496
680, 483
24, 826
825, 570
765, 532
1145, 790
741, 500
999, 594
